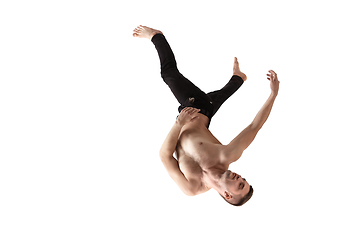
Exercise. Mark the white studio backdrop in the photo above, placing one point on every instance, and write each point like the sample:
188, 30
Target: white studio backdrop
84, 111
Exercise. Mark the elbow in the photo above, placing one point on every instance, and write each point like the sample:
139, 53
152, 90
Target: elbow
162, 151
163, 155
190, 193
255, 126
191, 189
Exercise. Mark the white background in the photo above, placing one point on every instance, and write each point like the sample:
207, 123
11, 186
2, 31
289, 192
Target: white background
84, 111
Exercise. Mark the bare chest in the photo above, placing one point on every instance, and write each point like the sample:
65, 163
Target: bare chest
197, 149
200, 148
195, 157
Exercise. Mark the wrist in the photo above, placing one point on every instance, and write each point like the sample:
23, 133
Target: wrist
274, 94
178, 124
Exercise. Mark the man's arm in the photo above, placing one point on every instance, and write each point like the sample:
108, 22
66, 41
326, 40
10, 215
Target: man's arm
169, 145
168, 148
236, 147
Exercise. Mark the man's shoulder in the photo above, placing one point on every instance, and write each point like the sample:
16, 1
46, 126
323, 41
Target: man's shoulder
193, 173
203, 188
198, 187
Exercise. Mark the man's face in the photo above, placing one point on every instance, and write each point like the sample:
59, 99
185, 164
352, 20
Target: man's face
235, 184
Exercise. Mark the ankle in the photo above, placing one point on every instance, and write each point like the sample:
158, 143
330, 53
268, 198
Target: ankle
242, 75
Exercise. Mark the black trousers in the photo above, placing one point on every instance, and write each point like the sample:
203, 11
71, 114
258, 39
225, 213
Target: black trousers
187, 94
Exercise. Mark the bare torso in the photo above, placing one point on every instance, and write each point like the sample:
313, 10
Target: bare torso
198, 150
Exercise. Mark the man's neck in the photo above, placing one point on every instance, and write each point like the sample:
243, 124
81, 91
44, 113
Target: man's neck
212, 177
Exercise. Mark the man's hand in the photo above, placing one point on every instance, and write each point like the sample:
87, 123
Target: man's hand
274, 82
187, 115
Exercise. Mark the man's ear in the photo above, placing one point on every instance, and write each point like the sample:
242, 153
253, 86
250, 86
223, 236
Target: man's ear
227, 195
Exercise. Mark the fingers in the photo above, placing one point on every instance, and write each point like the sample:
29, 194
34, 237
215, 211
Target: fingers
190, 110
192, 119
272, 72
186, 115
272, 76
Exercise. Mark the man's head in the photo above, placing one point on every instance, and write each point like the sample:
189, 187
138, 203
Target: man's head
235, 189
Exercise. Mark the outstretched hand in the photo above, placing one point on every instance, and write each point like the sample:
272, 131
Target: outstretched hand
187, 115
274, 82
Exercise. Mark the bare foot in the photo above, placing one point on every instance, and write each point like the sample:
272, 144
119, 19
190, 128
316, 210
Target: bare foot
145, 32
236, 70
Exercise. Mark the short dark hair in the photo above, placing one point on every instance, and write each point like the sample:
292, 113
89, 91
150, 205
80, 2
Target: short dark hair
244, 199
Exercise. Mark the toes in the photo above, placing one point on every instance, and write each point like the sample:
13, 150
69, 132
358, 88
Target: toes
139, 28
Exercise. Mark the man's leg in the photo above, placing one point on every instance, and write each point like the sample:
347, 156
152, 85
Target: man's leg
181, 87
220, 96
187, 94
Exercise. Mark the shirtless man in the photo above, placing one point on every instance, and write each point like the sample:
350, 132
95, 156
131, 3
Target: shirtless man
202, 161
